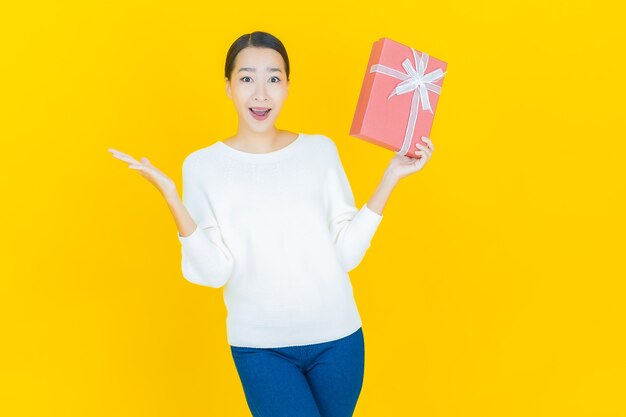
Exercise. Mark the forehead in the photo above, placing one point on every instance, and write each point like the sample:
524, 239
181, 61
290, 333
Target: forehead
259, 58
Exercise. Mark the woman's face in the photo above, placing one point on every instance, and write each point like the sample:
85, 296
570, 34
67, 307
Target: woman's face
258, 81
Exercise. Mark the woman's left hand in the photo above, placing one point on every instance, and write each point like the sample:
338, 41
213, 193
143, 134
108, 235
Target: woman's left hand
403, 165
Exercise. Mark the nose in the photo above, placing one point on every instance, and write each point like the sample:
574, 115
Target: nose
259, 94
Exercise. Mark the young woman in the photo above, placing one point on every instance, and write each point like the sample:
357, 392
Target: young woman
269, 215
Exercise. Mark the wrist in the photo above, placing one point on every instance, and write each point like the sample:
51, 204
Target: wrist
170, 195
390, 178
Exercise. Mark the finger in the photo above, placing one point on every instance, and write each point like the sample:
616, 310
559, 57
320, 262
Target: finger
429, 142
423, 148
420, 163
116, 152
422, 154
137, 167
126, 158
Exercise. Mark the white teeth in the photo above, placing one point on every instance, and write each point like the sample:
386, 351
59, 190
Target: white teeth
262, 112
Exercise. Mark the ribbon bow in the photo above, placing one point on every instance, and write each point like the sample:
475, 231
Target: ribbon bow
413, 80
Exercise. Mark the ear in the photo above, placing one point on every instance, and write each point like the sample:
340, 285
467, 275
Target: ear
228, 93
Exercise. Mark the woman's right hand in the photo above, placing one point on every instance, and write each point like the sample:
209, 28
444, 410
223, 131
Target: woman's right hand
161, 181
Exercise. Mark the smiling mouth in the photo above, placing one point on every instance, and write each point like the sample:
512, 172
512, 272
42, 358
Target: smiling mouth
259, 111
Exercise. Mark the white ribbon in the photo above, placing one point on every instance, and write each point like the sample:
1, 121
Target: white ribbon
413, 80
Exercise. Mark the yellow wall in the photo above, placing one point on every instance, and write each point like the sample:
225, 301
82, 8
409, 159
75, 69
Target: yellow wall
493, 287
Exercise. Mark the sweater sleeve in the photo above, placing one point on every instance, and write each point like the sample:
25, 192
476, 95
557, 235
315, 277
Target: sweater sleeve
205, 258
351, 229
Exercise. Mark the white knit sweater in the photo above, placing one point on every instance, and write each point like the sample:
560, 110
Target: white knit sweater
279, 231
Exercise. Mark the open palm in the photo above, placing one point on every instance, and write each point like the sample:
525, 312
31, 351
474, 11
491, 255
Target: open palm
161, 181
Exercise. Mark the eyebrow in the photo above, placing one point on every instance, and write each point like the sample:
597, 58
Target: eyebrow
254, 69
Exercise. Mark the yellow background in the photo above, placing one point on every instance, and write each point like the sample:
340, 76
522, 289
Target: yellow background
493, 287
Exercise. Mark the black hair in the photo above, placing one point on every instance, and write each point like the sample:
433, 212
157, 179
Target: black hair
256, 39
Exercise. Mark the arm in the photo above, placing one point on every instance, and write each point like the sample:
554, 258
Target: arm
351, 229
379, 199
205, 258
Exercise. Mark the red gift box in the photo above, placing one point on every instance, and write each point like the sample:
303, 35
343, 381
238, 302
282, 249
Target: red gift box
398, 98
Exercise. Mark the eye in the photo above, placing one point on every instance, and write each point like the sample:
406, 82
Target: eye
242, 78
276, 78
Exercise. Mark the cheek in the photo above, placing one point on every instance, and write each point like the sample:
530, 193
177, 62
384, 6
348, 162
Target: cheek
241, 96
281, 95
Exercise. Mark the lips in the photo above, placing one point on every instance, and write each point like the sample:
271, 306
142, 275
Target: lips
260, 115
260, 111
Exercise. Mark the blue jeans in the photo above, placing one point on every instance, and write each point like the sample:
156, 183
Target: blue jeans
316, 380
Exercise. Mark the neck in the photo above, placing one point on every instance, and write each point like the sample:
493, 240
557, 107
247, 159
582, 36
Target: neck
257, 141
